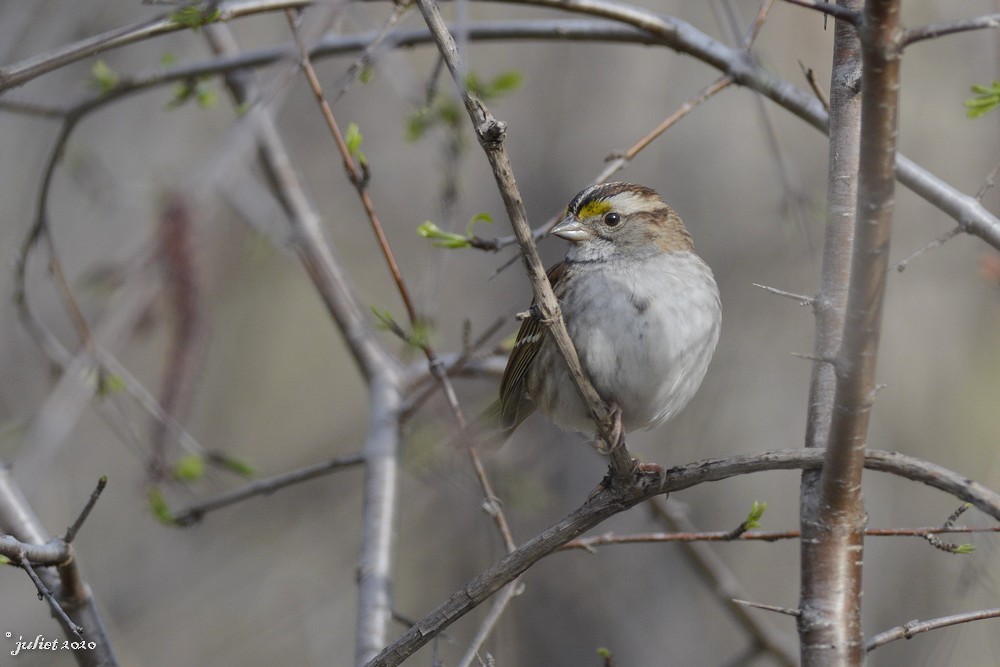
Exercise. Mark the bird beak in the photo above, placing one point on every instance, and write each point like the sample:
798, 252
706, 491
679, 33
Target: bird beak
571, 230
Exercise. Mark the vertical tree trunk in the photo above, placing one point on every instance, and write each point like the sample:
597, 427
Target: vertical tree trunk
833, 515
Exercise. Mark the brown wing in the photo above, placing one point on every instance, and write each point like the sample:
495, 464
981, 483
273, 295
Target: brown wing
514, 405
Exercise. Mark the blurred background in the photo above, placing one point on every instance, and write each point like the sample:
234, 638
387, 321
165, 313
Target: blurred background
273, 579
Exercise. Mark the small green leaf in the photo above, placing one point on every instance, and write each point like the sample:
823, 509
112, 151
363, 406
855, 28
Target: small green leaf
353, 138
103, 77
158, 505
441, 238
190, 468
417, 124
449, 112
233, 464
194, 16
387, 322
420, 336
167, 59
205, 96
182, 92
604, 653
964, 548
5, 561
503, 83
987, 99
478, 217
506, 82
366, 74
753, 518
473, 83
110, 384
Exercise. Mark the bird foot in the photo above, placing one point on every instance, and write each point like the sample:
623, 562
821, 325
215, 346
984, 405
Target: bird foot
615, 438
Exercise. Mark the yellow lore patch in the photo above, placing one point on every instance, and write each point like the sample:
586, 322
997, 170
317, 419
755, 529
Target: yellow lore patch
594, 208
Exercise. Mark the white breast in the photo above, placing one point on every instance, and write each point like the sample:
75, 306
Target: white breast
645, 332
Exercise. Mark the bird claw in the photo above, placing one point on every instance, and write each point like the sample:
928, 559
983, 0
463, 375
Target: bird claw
615, 439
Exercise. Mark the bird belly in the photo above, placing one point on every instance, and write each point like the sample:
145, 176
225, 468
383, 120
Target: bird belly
645, 340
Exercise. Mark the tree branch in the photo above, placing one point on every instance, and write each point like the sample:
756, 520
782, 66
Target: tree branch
613, 500
908, 630
73, 595
935, 30
491, 134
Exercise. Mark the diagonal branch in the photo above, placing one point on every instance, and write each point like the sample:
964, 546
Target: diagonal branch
491, 133
613, 500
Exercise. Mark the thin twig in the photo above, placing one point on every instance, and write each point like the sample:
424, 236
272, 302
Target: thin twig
20, 73
908, 630
814, 86
935, 30
85, 512
358, 178
802, 299
512, 590
758, 24
44, 592
635, 26
987, 184
787, 611
830, 9
263, 487
935, 243
610, 539
491, 134
723, 583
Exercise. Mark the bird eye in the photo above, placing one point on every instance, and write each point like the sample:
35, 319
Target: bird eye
612, 219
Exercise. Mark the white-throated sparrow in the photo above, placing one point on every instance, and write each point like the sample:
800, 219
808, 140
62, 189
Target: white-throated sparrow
641, 307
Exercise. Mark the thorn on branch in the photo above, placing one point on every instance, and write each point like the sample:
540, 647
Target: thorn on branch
801, 298
788, 611
814, 358
810, 75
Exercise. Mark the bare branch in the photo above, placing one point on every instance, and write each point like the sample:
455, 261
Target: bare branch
379, 368
263, 487
19, 520
908, 630
20, 73
838, 12
787, 611
609, 539
85, 512
644, 28
935, 30
723, 582
612, 500
44, 592
810, 76
935, 243
802, 299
